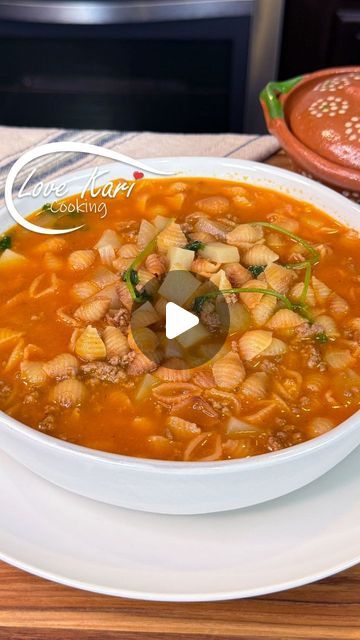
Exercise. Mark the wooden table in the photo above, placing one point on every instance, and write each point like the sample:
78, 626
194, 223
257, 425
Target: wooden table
34, 608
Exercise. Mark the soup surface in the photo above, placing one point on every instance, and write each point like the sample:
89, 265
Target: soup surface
84, 354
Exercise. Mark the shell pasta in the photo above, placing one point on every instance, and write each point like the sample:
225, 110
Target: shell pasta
83, 346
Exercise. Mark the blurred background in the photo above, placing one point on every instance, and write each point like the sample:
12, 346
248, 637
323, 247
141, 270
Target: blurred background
162, 65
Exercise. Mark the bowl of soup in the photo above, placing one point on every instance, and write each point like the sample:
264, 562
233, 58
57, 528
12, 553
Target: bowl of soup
258, 399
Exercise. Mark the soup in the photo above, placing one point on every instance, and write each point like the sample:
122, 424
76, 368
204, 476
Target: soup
83, 343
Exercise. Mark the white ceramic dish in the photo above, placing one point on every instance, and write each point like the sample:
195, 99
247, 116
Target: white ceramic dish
284, 543
176, 487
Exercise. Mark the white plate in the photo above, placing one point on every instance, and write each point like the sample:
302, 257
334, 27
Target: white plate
305, 536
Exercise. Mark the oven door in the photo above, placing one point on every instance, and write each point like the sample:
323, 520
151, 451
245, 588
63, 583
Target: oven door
163, 65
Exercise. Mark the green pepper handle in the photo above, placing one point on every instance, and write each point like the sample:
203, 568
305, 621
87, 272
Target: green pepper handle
271, 92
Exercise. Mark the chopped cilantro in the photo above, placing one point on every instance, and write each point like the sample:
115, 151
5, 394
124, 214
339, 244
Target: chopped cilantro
5, 243
322, 338
143, 296
131, 275
46, 206
303, 310
195, 245
134, 277
198, 303
255, 270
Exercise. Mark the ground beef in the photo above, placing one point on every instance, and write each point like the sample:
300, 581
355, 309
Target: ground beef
49, 419
208, 315
220, 407
268, 366
286, 437
313, 358
222, 401
352, 330
31, 398
140, 364
47, 423
128, 229
118, 318
5, 390
275, 443
122, 361
103, 372
306, 330
129, 236
186, 227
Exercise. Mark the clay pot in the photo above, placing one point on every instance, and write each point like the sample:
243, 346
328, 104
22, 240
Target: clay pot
316, 119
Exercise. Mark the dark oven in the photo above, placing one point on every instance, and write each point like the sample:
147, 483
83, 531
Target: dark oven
163, 65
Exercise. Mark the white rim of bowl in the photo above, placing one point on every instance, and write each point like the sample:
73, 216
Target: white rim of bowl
177, 466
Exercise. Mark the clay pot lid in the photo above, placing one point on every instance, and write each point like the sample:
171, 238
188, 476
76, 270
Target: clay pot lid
324, 114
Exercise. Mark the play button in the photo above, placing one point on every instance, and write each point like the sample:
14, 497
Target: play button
178, 320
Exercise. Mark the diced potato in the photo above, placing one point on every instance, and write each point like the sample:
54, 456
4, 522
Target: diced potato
177, 187
160, 447
158, 210
120, 401
144, 389
194, 336
205, 287
108, 237
144, 316
209, 352
160, 222
10, 258
144, 426
172, 349
220, 252
179, 290
180, 259
141, 201
239, 317
176, 201
160, 306
235, 314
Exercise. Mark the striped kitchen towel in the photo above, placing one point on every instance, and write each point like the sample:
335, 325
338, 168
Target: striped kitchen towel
14, 141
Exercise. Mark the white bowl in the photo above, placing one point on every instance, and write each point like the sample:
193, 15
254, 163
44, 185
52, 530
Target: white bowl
178, 487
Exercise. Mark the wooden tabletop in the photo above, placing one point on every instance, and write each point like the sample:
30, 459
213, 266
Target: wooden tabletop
34, 608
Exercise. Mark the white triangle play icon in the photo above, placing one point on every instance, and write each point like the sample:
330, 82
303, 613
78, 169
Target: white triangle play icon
178, 320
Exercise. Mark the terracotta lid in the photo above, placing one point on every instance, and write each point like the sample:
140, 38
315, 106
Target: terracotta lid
326, 118
316, 119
